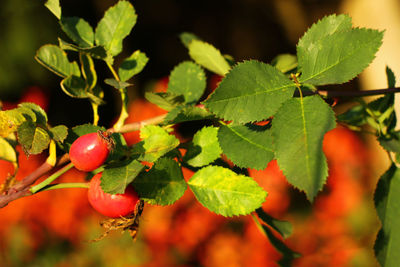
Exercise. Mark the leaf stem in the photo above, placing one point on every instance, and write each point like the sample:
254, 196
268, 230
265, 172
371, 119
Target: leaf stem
64, 185
124, 101
114, 73
51, 178
124, 110
258, 224
95, 108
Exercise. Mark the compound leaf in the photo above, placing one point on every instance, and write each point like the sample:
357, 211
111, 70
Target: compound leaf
298, 130
251, 91
163, 184
255, 140
225, 192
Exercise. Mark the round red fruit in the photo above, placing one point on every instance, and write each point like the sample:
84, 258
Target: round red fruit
114, 206
90, 151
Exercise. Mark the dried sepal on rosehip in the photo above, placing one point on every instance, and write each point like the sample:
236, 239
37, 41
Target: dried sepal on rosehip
90, 151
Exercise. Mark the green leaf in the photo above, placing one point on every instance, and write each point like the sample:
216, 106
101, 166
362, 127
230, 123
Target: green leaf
208, 56
288, 255
255, 140
339, 57
204, 148
116, 178
251, 91
390, 143
59, 133
120, 149
40, 142
163, 184
323, 28
391, 78
95, 51
298, 129
54, 7
187, 79
284, 228
187, 113
74, 86
381, 114
55, 59
355, 116
156, 142
132, 65
40, 116
187, 37
7, 152
33, 139
9, 121
387, 199
78, 30
119, 85
285, 62
88, 71
116, 24
225, 192
167, 101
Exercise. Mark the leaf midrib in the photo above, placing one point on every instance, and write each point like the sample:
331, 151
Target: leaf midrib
250, 141
212, 189
250, 95
214, 62
363, 45
307, 156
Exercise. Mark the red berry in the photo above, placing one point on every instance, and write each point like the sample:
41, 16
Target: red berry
113, 206
89, 151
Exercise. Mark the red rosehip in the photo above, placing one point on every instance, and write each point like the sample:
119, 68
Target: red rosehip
113, 206
90, 151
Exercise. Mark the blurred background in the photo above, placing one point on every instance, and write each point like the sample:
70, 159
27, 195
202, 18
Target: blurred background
53, 228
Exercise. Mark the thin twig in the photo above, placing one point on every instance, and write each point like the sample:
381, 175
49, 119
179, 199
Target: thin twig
330, 93
5, 199
135, 126
22, 188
